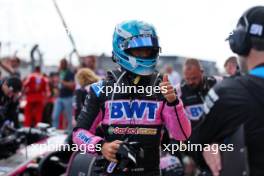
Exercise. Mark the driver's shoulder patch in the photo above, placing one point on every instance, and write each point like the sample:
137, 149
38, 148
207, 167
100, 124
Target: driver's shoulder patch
97, 87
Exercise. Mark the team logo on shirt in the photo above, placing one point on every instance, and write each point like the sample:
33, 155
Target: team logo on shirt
84, 138
195, 112
210, 100
133, 110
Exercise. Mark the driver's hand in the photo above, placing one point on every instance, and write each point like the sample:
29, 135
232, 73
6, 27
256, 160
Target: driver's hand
109, 150
170, 94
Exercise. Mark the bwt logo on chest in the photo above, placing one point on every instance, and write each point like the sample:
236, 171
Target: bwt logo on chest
135, 109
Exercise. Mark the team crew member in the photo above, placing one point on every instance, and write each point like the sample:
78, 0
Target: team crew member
135, 117
194, 88
239, 101
231, 66
10, 89
36, 91
11, 66
85, 77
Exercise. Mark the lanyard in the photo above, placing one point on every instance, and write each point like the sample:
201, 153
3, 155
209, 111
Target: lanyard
259, 72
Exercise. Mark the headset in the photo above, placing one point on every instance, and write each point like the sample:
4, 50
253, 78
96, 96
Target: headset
239, 39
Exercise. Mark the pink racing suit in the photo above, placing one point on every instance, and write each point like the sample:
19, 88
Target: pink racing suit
137, 117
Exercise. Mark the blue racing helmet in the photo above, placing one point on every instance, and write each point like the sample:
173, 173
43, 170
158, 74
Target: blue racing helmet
136, 47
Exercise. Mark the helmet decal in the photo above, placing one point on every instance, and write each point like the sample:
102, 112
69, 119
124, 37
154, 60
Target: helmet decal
122, 32
132, 61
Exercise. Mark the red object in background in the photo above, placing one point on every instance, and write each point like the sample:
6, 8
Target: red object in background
36, 91
62, 122
33, 113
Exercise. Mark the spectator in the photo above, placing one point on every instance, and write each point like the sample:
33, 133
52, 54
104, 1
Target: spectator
174, 76
84, 77
10, 89
65, 99
53, 81
88, 62
36, 91
12, 67
231, 66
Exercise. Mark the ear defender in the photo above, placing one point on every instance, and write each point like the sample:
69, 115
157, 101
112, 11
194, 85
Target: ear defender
239, 41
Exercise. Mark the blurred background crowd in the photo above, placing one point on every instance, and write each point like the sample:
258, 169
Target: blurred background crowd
50, 96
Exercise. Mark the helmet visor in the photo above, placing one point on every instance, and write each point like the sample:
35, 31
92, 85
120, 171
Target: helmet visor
143, 52
140, 42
